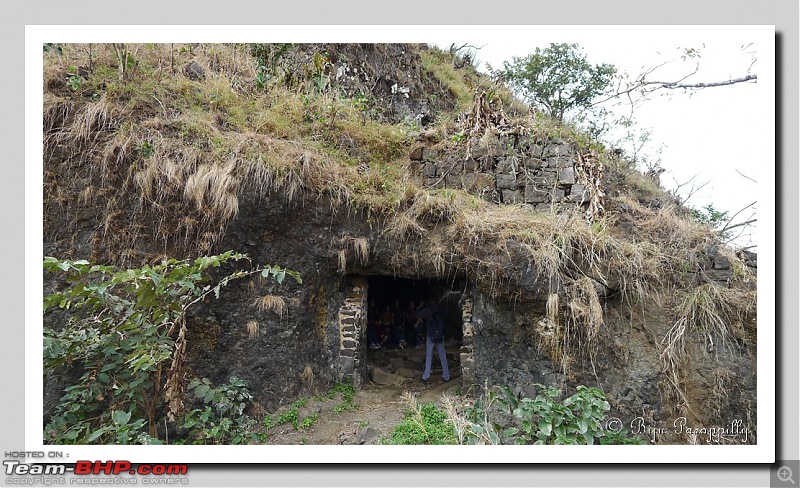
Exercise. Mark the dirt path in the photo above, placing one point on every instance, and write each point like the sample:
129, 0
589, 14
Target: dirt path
377, 407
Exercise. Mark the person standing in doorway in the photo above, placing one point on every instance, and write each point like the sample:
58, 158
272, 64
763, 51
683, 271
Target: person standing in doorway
431, 316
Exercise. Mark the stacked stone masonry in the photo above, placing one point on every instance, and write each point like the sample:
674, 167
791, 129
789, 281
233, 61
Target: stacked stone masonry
507, 171
352, 330
467, 360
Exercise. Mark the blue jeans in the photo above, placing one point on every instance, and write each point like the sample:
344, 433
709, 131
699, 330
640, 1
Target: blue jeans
429, 357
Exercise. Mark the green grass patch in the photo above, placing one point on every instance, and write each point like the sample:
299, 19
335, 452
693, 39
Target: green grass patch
437, 64
423, 425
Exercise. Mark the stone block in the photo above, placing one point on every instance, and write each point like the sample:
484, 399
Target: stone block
348, 320
429, 154
505, 166
349, 344
545, 179
429, 170
366, 435
506, 181
532, 164
470, 165
533, 195
477, 152
348, 353
566, 176
406, 373
721, 262
397, 363
453, 181
416, 153
478, 181
511, 196
347, 365
562, 162
577, 194
558, 195
558, 150
719, 275
434, 183
194, 71
497, 149
382, 377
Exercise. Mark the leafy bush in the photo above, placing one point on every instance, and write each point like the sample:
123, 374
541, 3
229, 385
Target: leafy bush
500, 417
221, 420
125, 338
423, 425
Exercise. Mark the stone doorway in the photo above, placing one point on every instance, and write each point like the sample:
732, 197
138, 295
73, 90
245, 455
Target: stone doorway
392, 364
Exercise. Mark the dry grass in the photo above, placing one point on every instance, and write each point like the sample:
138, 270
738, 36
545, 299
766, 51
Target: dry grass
720, 392
342, 261
361, 248
214, 189
271, 303
307, 376
354, 246
252, 329
715, 313
584, 310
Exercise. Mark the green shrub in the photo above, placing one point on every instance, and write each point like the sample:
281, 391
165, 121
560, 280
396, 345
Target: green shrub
423, 425
500, 417
124, 335
221, 418
347, 392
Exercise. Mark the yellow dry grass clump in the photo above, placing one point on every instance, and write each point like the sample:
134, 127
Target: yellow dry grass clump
271, 303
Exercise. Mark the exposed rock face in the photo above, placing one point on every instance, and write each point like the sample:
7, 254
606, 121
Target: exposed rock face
502, 338
391, 73
507, 334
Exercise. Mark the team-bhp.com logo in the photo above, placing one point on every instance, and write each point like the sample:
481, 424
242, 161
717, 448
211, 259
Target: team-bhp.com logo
113, 468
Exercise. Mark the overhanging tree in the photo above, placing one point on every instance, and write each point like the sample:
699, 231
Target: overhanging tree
558, 78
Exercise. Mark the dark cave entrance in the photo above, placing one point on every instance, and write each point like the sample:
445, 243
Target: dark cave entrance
386, 295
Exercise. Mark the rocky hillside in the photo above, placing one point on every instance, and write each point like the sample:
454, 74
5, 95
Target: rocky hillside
361, 164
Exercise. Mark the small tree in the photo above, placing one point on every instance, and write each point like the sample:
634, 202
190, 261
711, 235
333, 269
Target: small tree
558, 78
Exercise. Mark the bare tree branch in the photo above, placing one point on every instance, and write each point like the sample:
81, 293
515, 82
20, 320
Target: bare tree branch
734, 216
739, 225
677, 84
694, 189
744, 175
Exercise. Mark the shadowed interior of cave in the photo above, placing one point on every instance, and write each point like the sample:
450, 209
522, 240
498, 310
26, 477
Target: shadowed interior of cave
382, 292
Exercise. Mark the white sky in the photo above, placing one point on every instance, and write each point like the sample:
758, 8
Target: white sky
707, 134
